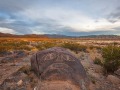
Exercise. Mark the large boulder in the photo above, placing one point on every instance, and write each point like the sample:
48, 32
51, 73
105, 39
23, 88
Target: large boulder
58, 69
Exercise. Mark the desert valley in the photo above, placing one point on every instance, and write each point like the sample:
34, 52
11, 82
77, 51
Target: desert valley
16, 53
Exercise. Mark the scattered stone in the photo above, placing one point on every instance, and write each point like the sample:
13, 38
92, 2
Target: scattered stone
20, 54
35, 88
19, 83
3, 61
98, 68
93, 74
12, 64
5, 53
7, 59
16, 81
117, 72
113, 79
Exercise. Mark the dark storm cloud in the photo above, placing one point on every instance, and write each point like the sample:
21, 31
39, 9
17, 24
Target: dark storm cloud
19, 26
27, 27
14, 5
9, 18
114, 16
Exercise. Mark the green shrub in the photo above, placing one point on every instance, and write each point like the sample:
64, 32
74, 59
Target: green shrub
97, 61
8, 45
45, 45
3, 49
74, 47
23, 47
95, 47
111, 55
91, 47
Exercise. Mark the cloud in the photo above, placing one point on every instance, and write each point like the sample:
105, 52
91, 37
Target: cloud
7, 30
76, 21
64, 16
13, 6
114, 16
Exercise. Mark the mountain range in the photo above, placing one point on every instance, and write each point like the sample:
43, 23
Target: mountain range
58, 36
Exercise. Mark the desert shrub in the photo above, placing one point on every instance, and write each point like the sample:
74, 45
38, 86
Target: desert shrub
22, 47
114, 43
111, 55
97, 61
39, 47
95, 47
45, 45
3, 49
48, 45
9, 45
74, 47
91, 47
98, 48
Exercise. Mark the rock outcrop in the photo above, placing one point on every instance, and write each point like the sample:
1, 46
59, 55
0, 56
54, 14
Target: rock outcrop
58, 69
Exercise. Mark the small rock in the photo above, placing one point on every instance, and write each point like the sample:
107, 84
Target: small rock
19, 83
20, 54
35, 88
119, 87
13, 64
117, 72
98, 69
113, 79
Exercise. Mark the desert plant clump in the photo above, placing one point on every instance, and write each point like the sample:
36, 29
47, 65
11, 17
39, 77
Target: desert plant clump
10, 45
111, 55
74, 47
95, 47
97, 61
45, 45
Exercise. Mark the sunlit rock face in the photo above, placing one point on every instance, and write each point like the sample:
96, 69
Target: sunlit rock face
58, 69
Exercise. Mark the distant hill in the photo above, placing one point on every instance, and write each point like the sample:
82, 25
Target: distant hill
60, 36
22, 36
101, 36
35, 35
6, 35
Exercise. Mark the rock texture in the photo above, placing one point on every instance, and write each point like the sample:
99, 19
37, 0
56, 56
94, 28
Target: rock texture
113, 79
58, 69
117, 72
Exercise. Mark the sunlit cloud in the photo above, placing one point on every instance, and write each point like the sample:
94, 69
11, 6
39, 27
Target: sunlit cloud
7, 30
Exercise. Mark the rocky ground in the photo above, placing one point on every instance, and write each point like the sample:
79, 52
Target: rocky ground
99, 80
16, 74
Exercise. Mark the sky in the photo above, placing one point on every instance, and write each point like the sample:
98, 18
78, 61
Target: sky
66, 17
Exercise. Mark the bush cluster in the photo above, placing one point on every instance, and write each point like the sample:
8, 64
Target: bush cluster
111, 55
9, 45
74, 47
45, 45
97, 61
